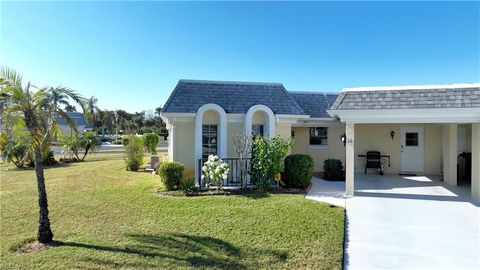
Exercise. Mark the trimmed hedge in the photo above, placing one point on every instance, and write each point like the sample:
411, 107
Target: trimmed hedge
333, 170
171, 173
298, 171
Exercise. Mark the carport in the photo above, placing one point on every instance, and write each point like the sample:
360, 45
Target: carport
417, 126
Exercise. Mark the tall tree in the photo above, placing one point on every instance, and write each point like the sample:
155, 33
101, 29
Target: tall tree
92, 109
38, 116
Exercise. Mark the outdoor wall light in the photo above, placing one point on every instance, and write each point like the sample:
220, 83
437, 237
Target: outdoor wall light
392, 134
343, 137
292, 133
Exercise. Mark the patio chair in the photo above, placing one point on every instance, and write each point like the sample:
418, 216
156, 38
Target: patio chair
374, 161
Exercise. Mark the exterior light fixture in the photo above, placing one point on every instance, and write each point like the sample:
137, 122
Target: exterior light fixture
343, 137
392, 134
292, 133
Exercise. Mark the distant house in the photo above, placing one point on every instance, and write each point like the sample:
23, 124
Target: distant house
422, 129
78, 118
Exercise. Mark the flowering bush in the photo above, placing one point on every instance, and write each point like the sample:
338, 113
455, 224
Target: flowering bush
215, 170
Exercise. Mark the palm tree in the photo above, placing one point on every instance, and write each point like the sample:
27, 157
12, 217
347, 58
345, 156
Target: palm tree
34, 111
56, 98
92, 109
70, 108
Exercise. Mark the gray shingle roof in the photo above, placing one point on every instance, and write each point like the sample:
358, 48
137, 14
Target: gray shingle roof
233, 97
76, 117
468, 97
315, 104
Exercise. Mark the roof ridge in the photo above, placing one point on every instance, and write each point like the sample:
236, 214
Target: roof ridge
412, 87
229, 82
314, 92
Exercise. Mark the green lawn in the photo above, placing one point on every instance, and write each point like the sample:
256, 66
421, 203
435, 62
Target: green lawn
109, 218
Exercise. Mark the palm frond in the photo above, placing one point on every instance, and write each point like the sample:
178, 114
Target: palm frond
9, 77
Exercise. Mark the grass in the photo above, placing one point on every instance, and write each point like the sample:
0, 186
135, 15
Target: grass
105, 217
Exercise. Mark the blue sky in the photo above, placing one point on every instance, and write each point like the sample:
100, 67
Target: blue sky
131, 54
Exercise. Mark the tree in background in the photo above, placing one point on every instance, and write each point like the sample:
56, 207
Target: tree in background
92, 110
151, 141
32, 111
70, 108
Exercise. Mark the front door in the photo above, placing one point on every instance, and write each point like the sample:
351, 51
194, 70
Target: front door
411, 148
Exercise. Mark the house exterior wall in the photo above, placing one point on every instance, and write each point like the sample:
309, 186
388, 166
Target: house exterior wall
335, 148
184, 146
233, 129
376, 137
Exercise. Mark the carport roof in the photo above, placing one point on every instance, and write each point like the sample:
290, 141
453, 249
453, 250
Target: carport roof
409, 97
455, 103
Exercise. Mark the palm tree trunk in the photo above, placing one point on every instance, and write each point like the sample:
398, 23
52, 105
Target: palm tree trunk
45, 234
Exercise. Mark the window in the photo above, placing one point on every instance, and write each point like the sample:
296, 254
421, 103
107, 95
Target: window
209, 140
411, 139
318, 136
257, 130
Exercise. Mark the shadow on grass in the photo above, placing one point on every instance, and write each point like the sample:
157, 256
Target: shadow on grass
182, 250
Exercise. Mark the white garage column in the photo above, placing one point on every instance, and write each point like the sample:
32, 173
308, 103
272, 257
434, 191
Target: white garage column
476, 161
450, 155
350, 160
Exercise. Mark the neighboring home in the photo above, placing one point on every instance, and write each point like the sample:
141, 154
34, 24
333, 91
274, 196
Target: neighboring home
79, 120
421, 128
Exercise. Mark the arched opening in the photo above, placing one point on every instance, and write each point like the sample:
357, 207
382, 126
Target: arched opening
210, 134
260, 120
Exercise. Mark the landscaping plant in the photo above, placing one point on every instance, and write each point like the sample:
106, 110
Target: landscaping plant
34, 112
89, 142
215, 171
171, 173
267, 159
333, 169
298, 170
242, 145
134, 153
151, 141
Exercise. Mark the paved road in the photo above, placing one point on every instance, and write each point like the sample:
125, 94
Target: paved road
111, 149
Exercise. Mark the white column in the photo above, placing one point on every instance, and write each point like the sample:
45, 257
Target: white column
350, 160
450, 157
171, 141
476, 161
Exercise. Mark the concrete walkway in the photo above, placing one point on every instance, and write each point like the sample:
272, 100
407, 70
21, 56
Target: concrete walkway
396, 222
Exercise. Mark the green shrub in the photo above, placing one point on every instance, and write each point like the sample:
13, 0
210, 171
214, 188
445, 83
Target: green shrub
151, 141
171, 173
267, 159
333, 169
15, 153
187, 185
125, 141
134, 153
298, 171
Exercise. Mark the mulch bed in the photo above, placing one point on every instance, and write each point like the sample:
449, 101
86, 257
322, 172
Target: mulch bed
230, 192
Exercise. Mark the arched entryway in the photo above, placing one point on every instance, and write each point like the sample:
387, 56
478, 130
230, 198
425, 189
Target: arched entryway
210, 134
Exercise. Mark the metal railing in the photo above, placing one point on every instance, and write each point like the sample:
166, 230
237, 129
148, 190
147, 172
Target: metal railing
234, 175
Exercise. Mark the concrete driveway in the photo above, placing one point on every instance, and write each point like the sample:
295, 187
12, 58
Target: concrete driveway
396, 222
